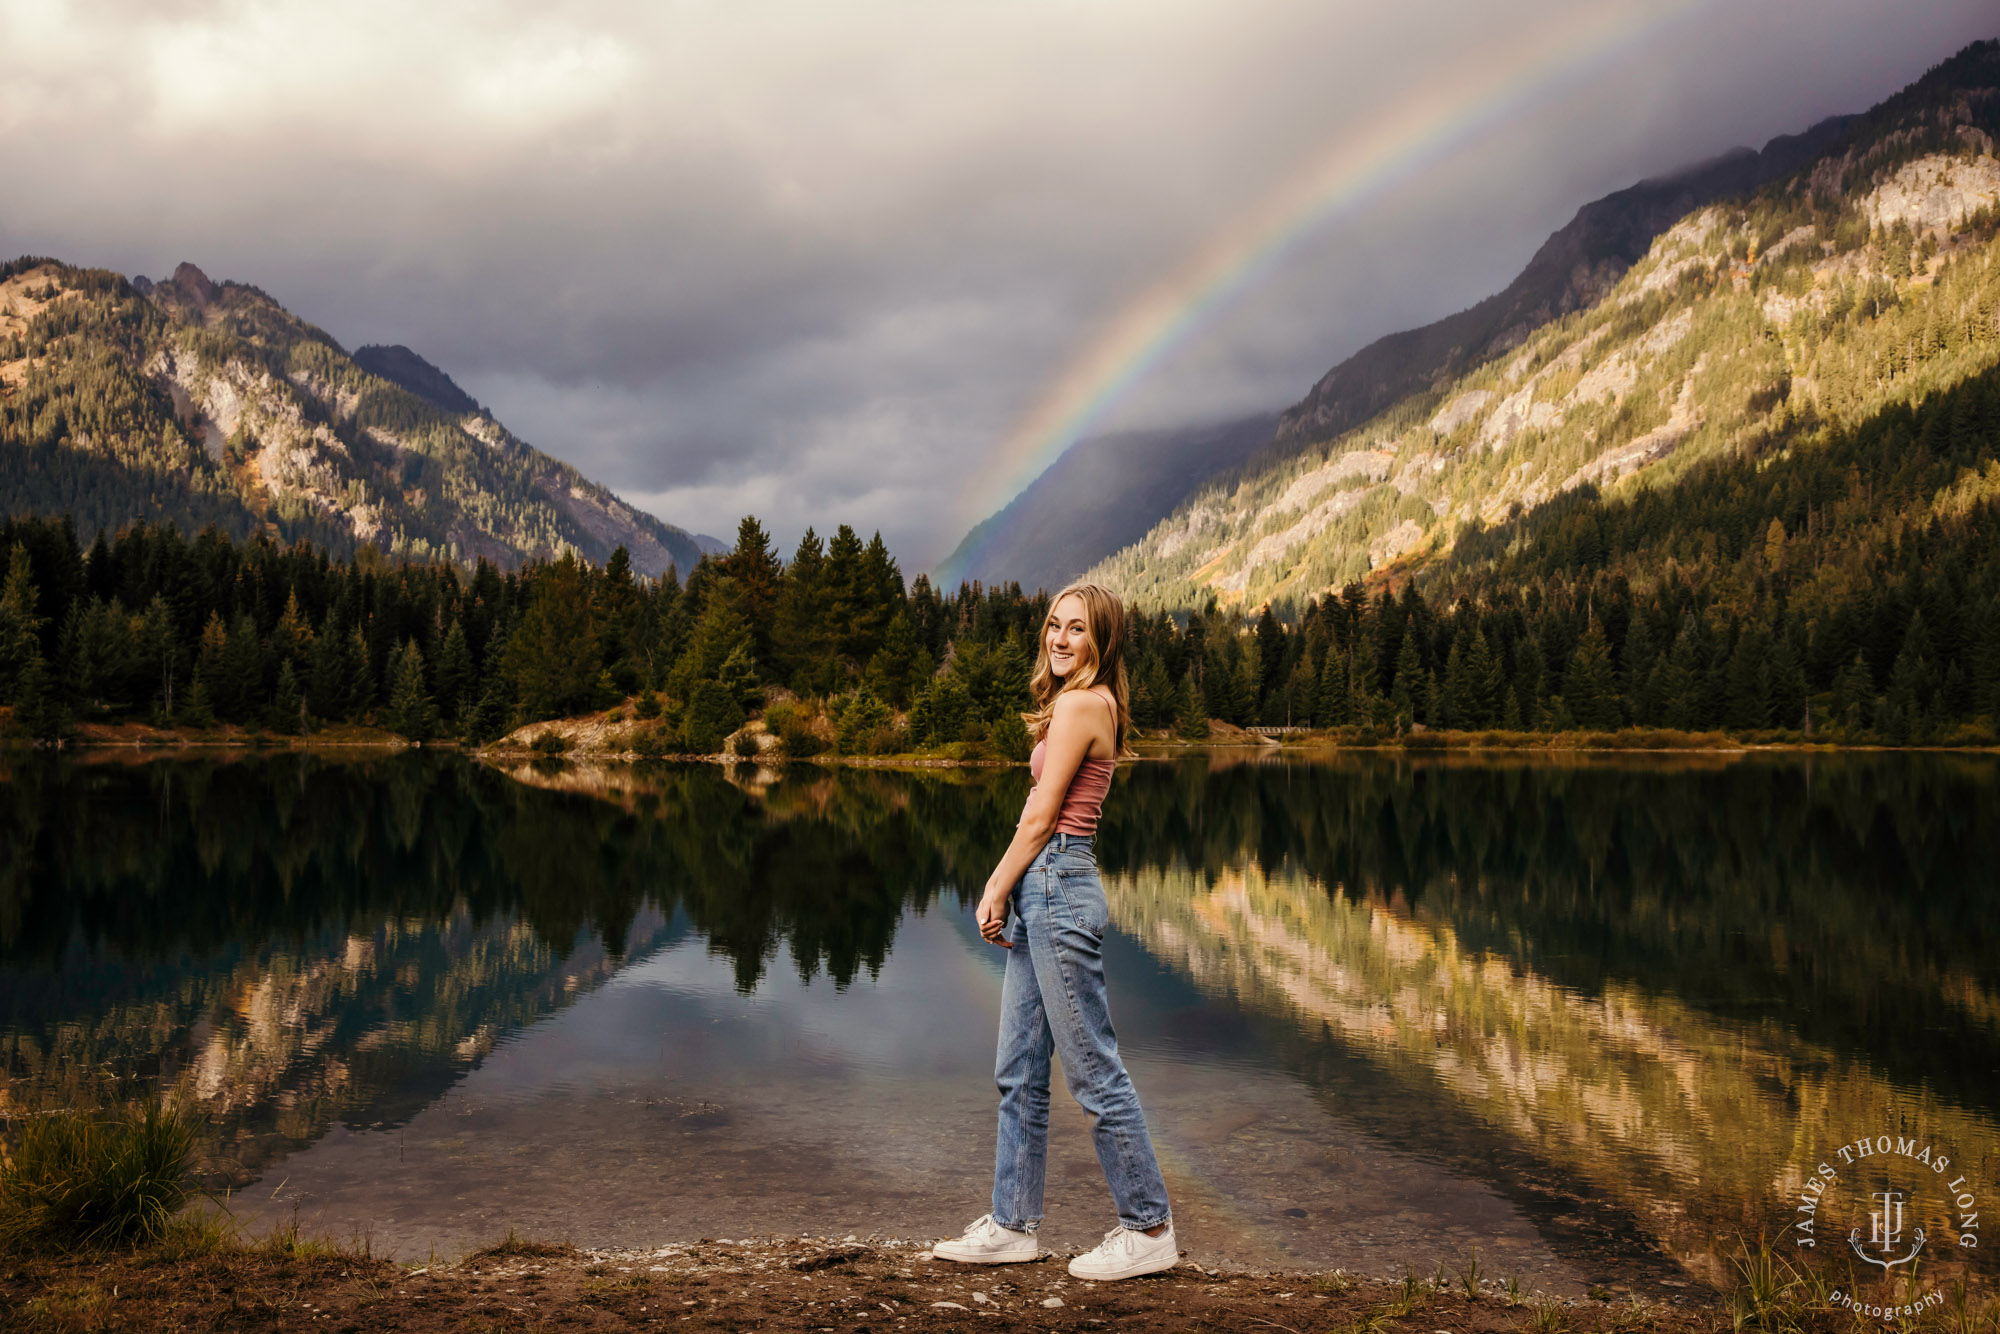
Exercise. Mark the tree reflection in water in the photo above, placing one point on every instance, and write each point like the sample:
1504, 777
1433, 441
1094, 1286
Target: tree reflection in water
1638, 974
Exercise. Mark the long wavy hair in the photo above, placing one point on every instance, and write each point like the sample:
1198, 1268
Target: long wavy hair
1101, 663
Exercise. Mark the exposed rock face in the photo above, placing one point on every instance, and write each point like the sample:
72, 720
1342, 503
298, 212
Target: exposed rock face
1793, 303
235, 411
1935, 194
1572, 271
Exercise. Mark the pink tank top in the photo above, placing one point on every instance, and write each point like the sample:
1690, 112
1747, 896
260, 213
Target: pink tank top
1084, 801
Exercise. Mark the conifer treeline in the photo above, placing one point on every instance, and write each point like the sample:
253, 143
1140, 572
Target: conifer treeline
154, 626
1847, 587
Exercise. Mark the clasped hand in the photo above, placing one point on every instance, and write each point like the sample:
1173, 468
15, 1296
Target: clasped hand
992, 916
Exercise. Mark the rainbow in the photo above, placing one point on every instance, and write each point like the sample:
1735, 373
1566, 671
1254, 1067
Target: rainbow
1432, 122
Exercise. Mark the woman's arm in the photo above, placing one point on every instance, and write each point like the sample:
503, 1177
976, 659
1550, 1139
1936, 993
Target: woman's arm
1068, 739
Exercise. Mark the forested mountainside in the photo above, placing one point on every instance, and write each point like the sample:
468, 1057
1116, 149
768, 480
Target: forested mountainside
1102, 495
1764, 338
399, 365
207, 403
1573, 269
1062, 524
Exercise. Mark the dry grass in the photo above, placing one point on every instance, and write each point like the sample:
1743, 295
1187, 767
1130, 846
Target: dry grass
74, 1178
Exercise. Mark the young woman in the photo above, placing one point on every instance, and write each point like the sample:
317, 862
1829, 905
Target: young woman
1052, 1001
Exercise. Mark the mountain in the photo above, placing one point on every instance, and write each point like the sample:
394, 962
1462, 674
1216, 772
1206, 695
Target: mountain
1103, 494
200, 402
1802, 316
398, 365
1573, 269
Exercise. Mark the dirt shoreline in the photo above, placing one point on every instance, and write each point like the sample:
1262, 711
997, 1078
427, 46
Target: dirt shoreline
785, 1284
144, 741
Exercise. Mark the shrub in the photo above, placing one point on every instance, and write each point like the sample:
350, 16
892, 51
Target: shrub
1010, 737
75, 1179
744, 744
712, 713
550, 742
862, 725
792, 724
649, 743
647, 705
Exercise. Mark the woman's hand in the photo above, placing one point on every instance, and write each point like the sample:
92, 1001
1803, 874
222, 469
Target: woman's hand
992, 917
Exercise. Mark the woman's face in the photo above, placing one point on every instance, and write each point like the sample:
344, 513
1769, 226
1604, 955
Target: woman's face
1068, 636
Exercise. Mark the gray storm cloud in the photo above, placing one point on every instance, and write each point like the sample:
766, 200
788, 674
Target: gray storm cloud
816, 260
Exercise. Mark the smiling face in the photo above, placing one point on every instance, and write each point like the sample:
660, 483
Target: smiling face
1067, 634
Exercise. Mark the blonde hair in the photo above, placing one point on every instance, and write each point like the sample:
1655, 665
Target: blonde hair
1103, 663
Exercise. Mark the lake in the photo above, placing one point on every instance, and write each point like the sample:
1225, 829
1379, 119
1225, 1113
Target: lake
1595, 1019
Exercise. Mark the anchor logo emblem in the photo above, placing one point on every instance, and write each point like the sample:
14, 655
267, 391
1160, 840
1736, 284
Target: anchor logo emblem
1885, 1232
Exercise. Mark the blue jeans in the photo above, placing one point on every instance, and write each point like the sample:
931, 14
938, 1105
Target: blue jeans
1053, 1002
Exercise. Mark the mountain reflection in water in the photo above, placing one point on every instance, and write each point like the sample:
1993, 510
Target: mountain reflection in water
1638, 997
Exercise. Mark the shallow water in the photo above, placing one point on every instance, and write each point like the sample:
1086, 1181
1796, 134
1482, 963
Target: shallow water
1595, 1019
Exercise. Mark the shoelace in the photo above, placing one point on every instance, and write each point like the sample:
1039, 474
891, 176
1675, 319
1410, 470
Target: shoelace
1118, 1239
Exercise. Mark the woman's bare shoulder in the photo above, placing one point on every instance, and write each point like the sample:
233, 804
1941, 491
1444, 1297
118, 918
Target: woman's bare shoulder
1094, 716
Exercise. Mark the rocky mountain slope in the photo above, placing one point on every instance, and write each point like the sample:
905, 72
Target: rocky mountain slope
203, 402
1862, 279
399, 365
1059, 525
1573, 269
1103, 494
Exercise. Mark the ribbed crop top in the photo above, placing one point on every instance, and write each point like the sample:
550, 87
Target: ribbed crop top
1084, 801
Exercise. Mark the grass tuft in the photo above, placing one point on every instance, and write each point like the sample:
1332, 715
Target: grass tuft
1468, 1277
516, 1247
1546, 1315
73, 1179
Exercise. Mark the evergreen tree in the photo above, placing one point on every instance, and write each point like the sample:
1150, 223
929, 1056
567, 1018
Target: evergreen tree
20, 627
1271, 646
1750, 683
755, 570
1190, 714
553, 658
901, 665
847, 595
292, 638
738, 675
211, 673
864, 725
455, 679
802, 638
242, 671
411, 712
39, 711
1409, 686
1912, 687
1331, 706
286, 714
713, 711
1485, 683
1590, 690
1153, 694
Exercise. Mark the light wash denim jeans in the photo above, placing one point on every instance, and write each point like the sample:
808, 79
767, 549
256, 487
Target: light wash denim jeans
1053, 1003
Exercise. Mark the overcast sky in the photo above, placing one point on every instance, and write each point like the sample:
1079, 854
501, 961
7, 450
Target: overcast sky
817, 259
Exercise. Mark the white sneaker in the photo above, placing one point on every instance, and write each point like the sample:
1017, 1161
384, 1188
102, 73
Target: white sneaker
987, 1243
1127, 1253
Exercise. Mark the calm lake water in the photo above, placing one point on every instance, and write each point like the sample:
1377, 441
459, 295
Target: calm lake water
1597, 1019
